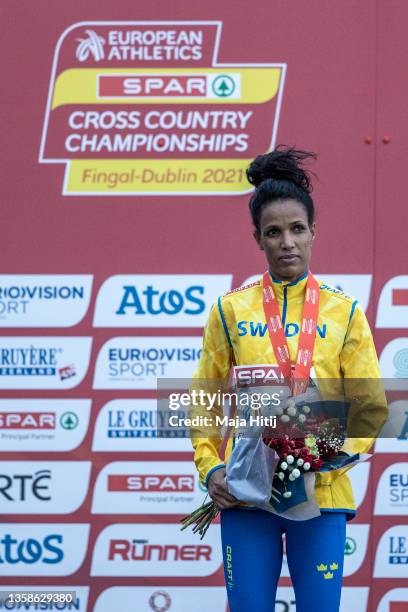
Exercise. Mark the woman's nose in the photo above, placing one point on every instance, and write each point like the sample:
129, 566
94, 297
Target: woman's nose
287, 240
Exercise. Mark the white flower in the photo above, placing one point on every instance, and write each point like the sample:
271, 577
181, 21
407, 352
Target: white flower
292, 477
284, 465
287, 494
279, 410
306, 466
290, 459
291, 402
292, 411
306, 409
302, 418
281, 475
285, 418
296, 473
300, 462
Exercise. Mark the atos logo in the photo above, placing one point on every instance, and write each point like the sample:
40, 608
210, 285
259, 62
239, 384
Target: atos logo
153, 301
19, 487
158, 300
30, 550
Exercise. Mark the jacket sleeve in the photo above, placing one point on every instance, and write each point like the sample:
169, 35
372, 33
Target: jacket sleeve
210, 377
363, 387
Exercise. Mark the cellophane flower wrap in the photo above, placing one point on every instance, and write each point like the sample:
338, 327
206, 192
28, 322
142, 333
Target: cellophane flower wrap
307, 438
274, 467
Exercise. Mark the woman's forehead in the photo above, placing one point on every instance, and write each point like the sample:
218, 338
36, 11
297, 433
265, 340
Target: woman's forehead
283, 211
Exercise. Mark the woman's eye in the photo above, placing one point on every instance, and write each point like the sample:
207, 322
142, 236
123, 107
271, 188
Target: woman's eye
299, 228
272, 232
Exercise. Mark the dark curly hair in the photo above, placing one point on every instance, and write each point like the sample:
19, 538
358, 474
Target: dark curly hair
280, 175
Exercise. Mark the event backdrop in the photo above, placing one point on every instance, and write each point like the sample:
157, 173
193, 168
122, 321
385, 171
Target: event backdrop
126, 131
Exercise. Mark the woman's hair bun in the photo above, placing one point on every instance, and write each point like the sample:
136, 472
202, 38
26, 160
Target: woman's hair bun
283, 163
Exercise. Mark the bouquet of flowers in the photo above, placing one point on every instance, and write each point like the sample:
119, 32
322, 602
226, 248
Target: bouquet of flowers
276, 469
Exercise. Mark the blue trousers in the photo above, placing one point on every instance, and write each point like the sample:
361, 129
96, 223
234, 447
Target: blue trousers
252, 551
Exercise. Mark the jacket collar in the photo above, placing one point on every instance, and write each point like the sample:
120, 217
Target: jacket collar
293, 288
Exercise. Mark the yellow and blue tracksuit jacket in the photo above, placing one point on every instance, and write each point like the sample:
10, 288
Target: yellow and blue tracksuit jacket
236, 331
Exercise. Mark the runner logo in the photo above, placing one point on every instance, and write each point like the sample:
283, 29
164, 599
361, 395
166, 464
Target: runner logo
154, 550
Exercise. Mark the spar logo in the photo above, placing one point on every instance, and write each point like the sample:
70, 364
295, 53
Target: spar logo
147, 488
49, 300
27, 420
154, 550
148, 108
42, 549
152, 483
162, 300
43, 425
258, 375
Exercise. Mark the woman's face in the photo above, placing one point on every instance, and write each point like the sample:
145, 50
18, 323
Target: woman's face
286, 238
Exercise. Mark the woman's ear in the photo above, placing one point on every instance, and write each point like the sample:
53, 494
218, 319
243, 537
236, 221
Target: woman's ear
313, 230
257, 237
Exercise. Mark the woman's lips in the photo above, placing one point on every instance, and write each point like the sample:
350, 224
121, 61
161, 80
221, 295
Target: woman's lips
289, 258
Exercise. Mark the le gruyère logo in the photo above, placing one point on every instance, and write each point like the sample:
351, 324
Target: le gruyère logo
147, 108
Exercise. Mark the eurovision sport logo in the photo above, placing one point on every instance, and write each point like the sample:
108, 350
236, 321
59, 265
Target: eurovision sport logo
44, 300
136, 362
147, 108
392, 491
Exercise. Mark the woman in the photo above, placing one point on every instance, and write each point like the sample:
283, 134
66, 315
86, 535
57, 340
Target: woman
282, 212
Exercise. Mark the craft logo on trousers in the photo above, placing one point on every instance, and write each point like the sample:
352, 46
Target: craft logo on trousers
148, 108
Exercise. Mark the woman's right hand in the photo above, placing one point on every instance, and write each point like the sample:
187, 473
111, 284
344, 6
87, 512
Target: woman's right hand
218, 490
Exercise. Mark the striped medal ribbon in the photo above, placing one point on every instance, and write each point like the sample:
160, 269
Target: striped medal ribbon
297, 380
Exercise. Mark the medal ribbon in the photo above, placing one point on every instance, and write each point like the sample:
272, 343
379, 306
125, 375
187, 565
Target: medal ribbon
298, 380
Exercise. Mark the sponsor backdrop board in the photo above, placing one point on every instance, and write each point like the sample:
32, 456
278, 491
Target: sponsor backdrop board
124, 212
